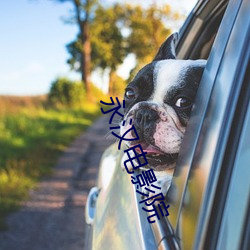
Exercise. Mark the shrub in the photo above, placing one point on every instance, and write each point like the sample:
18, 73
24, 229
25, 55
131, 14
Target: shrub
65, 92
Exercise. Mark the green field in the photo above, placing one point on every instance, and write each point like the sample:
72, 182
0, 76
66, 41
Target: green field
31, 138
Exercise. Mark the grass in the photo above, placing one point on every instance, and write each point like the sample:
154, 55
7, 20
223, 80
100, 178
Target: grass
31, 139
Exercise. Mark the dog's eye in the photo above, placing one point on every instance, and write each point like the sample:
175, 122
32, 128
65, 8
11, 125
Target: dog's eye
130, 94
183, 102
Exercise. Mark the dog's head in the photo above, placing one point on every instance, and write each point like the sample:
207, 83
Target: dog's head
159, 101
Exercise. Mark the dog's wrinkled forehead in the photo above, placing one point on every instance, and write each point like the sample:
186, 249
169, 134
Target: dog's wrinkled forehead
164, 78
173, 75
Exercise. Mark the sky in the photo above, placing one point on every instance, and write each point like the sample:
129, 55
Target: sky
32, 44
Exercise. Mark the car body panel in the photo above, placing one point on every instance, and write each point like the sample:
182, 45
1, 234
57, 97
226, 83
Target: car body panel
118, 221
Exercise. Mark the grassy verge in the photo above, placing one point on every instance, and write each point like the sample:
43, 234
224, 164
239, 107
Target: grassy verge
31, 138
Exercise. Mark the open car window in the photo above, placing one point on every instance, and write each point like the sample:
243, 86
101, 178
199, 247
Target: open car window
198, 33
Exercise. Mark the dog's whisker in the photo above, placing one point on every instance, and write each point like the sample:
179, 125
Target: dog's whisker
116, 122
108, 135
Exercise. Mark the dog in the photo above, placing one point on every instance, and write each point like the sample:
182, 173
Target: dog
159, 100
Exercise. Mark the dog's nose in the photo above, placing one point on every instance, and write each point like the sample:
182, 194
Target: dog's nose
145, 118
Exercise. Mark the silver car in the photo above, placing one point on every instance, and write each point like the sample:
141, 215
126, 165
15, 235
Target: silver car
210, 194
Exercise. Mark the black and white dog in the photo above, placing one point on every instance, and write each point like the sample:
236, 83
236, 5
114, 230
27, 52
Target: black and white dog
159, 101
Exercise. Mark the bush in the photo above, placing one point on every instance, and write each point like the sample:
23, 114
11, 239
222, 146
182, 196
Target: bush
65, 92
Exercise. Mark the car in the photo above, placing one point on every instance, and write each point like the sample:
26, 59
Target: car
209, 196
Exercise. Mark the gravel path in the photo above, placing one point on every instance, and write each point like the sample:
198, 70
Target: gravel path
53, 218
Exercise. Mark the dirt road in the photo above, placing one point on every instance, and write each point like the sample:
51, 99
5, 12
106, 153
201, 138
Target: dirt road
53, 218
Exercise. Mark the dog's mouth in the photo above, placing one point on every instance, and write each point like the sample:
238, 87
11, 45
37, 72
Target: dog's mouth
156, 158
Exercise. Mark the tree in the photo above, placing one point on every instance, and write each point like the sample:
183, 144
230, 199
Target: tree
108, 48
119, 30
83, 15
108, 45
148, 31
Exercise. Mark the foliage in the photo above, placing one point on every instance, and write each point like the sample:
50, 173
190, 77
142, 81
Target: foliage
31, 138
83, 13
74, 49
119, 30
108, 34
147, 30
67, 93
108, 48
117, 85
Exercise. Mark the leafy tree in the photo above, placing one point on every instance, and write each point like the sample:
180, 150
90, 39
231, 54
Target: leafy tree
107, 43
148, 30
83, 15
119, 30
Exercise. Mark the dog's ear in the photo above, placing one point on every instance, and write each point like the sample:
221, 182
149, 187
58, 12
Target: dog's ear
167, 49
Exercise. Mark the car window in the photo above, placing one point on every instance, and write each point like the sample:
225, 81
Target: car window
199, 32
